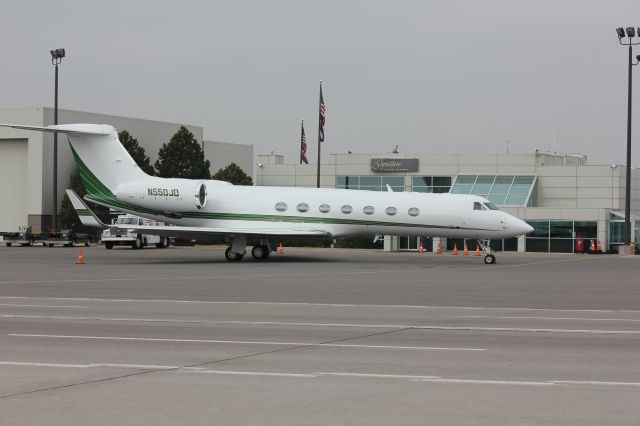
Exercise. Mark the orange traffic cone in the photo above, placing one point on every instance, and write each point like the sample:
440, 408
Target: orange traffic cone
439, 249
80, 259
421, 248
280, 249
593, 246
466, 251
455, 250
599, 247
477, 250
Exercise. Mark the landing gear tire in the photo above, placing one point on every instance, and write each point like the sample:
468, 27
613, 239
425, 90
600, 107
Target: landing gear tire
164, 242
108, 245
489, 259
260, 252
137, 243
232, 256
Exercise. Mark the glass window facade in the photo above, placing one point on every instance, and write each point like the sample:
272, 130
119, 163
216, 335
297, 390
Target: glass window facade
435, 184
504, 190
371, 183
559, 236
413, 243
617, 228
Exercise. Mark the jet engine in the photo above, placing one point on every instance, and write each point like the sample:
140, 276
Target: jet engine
164, 195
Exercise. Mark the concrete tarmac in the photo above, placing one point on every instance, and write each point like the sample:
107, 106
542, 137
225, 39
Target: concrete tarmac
316, 337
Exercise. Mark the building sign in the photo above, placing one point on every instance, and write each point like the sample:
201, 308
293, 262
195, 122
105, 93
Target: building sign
390, 165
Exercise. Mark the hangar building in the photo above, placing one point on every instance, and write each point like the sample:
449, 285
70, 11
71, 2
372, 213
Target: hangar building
26, 159
560, 195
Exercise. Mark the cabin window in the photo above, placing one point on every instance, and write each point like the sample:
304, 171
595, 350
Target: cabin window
303, 207
346, 209
413, 211
391, 211
368, 210
281, 207
324, 208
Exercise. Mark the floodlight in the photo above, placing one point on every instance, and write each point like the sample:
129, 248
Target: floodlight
57, 53
631, 32
619, 30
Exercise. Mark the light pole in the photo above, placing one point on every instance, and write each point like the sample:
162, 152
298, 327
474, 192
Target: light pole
630, 33
56, 59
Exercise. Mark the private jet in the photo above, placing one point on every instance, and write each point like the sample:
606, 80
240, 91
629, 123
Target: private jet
203, 209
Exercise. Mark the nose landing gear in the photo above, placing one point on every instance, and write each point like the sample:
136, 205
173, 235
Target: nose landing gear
489, 259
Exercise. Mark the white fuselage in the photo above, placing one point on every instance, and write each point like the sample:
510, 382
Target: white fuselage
445, 215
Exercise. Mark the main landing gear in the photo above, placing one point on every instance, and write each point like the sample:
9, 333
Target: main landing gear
237, 250
260, 252
232, 256
489, 258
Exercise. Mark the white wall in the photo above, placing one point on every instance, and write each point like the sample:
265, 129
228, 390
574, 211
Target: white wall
14, 186
221, 154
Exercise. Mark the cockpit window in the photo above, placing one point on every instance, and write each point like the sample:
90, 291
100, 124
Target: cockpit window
491, 206
478, 206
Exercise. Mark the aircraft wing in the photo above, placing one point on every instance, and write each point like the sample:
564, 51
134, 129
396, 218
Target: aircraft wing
86, 215
196, 232
88, 218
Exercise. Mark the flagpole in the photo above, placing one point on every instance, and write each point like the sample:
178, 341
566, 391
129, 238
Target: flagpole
319, 130
301, 130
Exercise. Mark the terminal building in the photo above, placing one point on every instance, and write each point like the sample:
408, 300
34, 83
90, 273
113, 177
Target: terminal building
26, 159
560, 195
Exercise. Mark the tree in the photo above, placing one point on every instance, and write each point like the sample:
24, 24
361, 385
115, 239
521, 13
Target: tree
68, 217
234, 174
182, 157
136, 151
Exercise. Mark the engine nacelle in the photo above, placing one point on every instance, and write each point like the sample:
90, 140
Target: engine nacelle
164, 195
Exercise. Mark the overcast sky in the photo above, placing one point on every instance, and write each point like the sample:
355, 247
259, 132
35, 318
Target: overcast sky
429, 76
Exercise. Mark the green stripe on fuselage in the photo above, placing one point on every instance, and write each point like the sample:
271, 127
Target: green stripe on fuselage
98, 192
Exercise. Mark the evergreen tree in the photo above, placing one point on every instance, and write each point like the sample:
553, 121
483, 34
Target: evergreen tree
67, 216
182, 157
234, 174
136, 151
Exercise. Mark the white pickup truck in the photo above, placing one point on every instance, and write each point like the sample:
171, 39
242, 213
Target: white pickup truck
128, 238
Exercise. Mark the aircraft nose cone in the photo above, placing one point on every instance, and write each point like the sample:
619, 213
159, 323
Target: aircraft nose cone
519, 226
523, 227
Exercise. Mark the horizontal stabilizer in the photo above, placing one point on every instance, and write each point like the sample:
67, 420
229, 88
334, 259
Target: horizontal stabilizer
77, 129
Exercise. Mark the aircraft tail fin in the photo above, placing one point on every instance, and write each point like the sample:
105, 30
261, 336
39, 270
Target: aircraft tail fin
86, 215
102, 160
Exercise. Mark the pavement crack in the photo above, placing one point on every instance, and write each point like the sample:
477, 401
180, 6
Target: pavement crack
200, 364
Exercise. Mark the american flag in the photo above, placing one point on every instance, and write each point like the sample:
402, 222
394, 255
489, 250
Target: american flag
303, 147
322, 117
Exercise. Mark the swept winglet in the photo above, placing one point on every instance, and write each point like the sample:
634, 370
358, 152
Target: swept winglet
86, 215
